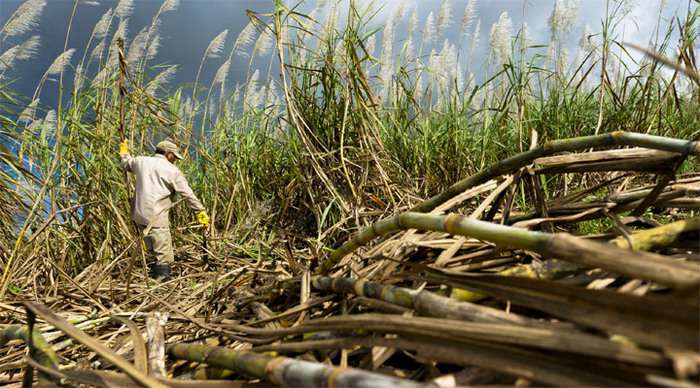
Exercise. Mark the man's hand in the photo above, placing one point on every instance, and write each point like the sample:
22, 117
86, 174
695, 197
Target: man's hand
203, 218
124, 148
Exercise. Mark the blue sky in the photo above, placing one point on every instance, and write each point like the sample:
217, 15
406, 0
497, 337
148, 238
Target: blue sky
187, 31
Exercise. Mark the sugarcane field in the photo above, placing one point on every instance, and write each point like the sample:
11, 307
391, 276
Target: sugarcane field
349, 193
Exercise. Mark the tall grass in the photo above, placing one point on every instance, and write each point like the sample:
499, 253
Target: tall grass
342, 137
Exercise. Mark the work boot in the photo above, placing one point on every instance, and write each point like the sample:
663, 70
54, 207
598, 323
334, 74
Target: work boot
159, 271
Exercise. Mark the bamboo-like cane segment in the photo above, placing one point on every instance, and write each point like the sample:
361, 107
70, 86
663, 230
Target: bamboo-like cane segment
618, 138
568, 341
284, 371
644, 240
658, 237
563, 246
425, 302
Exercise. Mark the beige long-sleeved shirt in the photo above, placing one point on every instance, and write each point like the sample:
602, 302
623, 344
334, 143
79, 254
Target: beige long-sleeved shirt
157, 182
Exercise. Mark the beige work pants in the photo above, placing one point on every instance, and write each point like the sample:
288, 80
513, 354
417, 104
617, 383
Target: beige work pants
159, 245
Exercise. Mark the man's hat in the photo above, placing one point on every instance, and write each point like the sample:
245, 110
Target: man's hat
168, 146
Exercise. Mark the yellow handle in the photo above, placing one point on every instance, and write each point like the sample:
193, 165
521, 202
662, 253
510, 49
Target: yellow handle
203, 218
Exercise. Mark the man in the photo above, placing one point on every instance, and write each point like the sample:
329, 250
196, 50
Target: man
157, 182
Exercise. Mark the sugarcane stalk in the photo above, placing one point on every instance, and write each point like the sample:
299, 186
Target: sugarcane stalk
563, 246
618, 138
43, 352
503, 333
517, 362
659, 237
282, 370
424, 302
644, 240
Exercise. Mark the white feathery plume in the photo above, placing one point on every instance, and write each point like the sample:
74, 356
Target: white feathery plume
525, 36
387, 45
186, 109
28, 49
59, 64
400, 12
245, 39
91, 3
433, 66
444, 66
410, 48
450, 61
371, 44
8, 58
272, 96
102, 25
418, 89
212, 106
468, 16
48, 126
470, 82
153, 47
25, 17
236, 98
562, 60
429, 32
169, 5
562, 18
444, 16
412, 22
137, 48
153, 39
122, 30
499, 39
101, 76
97, 52
50, 119
163, 78
216, 45
222, 72
124, 8
251, 99
263, 45
31, 129
28, 112
78, 79
475, 36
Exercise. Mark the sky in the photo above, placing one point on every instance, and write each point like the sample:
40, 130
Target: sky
187, 31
